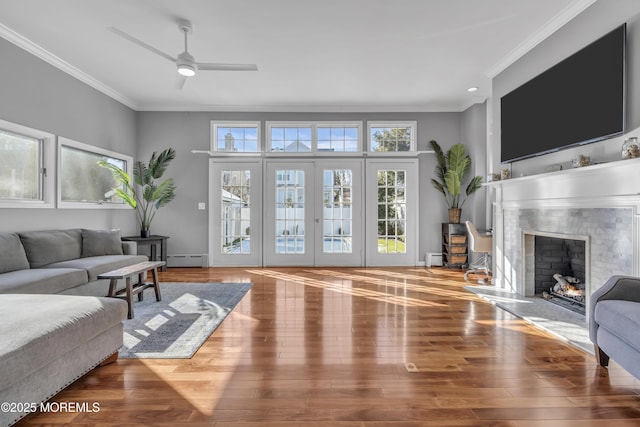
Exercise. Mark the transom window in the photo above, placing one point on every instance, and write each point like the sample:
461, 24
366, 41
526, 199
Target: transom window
236, 137
305, 137
290, 139
392, 137
338, 138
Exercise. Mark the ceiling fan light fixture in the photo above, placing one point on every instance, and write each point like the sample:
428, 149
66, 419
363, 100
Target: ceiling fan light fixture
186, 70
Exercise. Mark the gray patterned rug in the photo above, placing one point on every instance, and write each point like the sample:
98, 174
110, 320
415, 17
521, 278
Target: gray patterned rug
176, 327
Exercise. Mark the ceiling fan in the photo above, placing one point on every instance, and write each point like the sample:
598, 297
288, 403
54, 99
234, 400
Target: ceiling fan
186, 63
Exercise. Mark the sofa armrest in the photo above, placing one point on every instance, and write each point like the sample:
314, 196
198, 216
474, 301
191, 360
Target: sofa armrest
129, 248
625, 288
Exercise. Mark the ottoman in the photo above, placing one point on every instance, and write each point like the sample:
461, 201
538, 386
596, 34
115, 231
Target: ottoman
49, 341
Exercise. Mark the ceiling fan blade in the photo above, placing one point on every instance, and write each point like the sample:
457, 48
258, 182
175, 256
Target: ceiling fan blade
181, 81
141, 43
226, 67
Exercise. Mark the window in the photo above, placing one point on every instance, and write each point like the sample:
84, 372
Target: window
291, 139
235, 137
306, 137
82, 182
25, 160
392, 137
339, 138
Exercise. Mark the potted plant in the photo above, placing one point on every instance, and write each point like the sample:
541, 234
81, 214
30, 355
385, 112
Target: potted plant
451, 173
145, 194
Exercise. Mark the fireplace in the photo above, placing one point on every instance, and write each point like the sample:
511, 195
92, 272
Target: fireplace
599, 204
560, 271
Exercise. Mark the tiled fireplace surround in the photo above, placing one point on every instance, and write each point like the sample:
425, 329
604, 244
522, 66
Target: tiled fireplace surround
599, 204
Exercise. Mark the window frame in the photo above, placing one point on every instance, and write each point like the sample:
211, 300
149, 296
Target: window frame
61, 204
314, 125
215, 124
46, 166
413, 145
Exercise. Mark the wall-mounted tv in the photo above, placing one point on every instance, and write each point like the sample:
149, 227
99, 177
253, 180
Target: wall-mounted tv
577, 101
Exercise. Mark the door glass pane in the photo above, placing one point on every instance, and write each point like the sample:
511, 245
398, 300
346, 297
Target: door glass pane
336, 211
392, 208
289, 215
235, 202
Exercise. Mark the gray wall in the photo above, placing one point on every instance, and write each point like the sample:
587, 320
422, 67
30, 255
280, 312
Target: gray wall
189, 131
474, 136
36, 94
597, 20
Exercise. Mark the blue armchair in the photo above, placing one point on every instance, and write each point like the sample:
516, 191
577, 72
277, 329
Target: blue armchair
614, 323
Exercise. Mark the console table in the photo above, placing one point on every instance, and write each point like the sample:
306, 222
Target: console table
153, 241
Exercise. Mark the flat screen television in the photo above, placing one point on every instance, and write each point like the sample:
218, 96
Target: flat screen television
577, 101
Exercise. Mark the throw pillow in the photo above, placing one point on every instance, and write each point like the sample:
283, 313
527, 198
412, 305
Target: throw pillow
101, 242
12, 255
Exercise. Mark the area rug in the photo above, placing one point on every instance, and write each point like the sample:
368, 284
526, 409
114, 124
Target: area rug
564, 324
177, 326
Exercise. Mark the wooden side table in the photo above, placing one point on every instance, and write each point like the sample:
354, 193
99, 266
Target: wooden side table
153, 241
130, 290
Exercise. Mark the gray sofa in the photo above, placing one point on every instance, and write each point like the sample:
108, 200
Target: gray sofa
62, 261
614, 323
50, 339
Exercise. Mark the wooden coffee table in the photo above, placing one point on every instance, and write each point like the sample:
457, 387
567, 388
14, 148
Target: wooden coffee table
130, 290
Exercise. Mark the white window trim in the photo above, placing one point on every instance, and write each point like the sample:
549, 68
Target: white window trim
314, 125
215, 124
62, 141
394, 124
47, 153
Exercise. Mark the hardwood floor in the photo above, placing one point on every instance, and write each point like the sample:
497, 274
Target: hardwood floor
329, 347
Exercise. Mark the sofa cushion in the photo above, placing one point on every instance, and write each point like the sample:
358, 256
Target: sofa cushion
39, 328
42, 280
101, 242
12, 255
46, 247
100, 264
620, 318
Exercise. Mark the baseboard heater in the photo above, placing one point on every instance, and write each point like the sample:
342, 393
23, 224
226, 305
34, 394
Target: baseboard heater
187, 260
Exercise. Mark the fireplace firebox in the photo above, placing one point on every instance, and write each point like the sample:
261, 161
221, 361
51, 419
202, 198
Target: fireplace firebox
560, 271
557, 268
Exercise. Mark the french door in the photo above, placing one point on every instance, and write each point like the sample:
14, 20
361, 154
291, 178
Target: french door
392, 197
310, 212
235, 214
313, 212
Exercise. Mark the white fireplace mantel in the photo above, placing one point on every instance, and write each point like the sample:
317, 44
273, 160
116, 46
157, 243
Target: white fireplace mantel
606, 180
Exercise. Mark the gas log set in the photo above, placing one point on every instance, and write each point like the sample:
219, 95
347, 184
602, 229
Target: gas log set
567, 288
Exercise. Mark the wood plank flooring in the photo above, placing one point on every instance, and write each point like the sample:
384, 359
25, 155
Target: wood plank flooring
329, 346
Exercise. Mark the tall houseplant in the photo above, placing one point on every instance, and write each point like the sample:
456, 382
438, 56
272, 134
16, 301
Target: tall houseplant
452, 171
145, 194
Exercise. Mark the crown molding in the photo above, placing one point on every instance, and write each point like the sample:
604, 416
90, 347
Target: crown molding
41, 53
557, 22
295, 108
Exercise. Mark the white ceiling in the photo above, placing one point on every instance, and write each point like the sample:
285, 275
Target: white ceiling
312, 55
